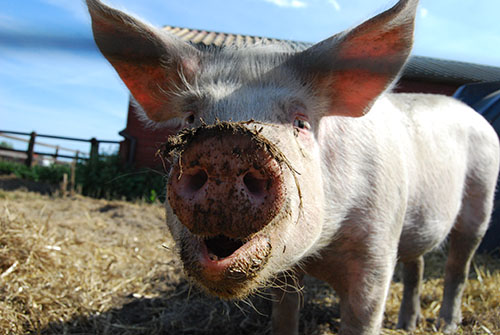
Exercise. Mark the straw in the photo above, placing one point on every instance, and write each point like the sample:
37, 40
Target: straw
85, 266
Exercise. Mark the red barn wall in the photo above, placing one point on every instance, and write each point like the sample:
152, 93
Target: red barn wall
149, 141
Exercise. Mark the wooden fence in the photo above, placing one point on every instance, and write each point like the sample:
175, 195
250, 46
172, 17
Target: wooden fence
30, 151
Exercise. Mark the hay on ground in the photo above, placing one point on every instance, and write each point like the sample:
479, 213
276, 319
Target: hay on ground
84, 266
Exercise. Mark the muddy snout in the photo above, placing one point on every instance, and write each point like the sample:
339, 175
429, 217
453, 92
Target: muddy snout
225, 182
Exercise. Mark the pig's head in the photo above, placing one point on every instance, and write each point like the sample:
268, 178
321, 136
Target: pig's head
245, 190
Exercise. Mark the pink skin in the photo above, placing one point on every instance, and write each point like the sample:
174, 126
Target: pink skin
311, 183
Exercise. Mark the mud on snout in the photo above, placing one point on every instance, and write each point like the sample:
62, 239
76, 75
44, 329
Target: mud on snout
226, 187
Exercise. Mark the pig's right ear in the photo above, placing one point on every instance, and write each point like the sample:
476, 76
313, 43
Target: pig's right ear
152, 64
350, 70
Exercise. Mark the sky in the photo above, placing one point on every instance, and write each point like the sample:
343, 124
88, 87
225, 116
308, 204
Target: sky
54, 81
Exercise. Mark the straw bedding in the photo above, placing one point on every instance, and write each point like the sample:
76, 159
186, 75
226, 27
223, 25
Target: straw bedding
85, 266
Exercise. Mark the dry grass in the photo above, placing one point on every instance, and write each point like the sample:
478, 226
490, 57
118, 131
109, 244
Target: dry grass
86, 266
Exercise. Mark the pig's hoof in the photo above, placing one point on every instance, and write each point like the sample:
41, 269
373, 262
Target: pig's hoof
447, 327
409, 323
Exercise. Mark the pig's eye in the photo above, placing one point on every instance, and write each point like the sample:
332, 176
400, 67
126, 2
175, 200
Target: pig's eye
301, 124
189, 119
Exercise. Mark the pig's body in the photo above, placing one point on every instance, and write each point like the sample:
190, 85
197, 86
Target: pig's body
413, 159
277, 171
424, 165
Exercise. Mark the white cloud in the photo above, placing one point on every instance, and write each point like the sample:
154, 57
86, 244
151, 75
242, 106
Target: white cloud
304, 3
424, 12
289, 3
61, 78
54, 68
335, 4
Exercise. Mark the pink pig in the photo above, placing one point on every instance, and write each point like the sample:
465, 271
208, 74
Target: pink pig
290, 162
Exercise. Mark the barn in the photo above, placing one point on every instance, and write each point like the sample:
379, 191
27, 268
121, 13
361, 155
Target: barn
422, 74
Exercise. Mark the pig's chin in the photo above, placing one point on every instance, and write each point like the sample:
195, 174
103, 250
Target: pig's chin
223, 266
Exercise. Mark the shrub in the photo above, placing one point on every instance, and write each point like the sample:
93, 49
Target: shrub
6, 145
50, 174
108, 178
104, 178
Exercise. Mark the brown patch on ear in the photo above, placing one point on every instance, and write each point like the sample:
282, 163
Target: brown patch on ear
363, 79
351, 70
152, 64
376, 44
357, 100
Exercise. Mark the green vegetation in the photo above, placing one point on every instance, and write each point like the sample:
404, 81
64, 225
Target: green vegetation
108, 178
105, 178
6, 145
49, 174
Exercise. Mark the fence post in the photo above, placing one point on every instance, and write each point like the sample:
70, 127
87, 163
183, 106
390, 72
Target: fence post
64, 185
31, 149
72, 177
56, 154
94, 150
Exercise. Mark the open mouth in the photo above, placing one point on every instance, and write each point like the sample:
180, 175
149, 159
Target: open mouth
221, 258
221, 247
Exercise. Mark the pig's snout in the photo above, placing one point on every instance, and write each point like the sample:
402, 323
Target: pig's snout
226, 184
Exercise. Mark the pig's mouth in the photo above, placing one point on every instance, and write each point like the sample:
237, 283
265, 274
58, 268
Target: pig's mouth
223, 265
222, 256
221, 247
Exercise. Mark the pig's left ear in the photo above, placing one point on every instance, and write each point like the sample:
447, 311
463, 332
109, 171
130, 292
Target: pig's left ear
152, 64
353, 68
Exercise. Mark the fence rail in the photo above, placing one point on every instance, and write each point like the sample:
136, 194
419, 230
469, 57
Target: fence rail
30, 151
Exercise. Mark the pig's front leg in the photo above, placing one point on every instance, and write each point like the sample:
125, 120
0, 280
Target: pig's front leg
363, 294
361, 275
287, 299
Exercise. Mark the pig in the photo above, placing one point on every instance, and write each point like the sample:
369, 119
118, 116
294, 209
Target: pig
288, 161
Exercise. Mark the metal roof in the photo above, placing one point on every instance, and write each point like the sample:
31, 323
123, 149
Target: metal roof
211, 38
417, 68
441, 70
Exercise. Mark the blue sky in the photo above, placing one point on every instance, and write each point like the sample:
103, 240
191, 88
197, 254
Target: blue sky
54, 81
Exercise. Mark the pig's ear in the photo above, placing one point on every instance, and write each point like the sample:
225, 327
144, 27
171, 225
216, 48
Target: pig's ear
353, 68
152, 64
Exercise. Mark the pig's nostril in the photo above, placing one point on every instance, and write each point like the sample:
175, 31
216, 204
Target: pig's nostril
254, 184
197, 180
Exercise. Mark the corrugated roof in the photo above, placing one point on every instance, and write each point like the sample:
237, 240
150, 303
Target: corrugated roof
418, 67
427, 68
210, 38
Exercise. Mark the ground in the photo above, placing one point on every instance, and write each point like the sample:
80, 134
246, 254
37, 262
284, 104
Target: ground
78, 265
